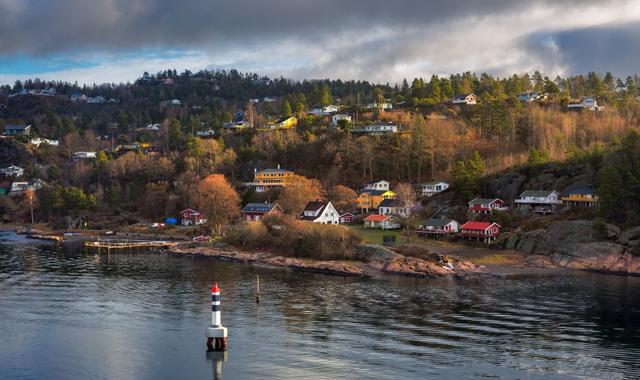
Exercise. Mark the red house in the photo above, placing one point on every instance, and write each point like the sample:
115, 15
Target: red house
191, 217
346, 218
256, 211
485, 231
485, 205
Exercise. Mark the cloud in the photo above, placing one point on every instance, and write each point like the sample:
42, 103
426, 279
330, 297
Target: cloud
376, 40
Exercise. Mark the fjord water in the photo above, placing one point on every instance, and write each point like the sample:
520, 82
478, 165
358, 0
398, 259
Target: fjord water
65, 314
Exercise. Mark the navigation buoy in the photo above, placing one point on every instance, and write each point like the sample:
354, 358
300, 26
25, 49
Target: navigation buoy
216, 334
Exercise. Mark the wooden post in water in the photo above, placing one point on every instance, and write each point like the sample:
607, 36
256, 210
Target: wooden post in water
257, 288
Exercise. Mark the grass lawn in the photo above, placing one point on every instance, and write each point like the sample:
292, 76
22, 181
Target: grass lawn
374, 235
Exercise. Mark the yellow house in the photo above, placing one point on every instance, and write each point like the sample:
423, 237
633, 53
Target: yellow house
263, 180
369, 199
286, 122
584, 196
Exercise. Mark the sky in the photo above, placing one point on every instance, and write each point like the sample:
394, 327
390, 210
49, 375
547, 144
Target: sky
115, 41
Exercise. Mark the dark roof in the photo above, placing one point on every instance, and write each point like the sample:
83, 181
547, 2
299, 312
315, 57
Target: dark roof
284, 118
483, 201
390, 203
372, 192
16, 126
435, 222
536, 193
376, 181
258, 207
463, 96
317, 207
582, 190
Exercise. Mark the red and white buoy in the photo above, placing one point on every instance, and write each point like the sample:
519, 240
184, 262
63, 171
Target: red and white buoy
216, 334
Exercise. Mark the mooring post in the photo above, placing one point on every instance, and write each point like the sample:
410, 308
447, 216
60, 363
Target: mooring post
257, 288
216, 334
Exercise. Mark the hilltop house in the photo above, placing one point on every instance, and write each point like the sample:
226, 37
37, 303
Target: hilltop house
394, 207
468, 99
581, 197
320, 212
12, 171
485, 205
170, 103
340, 116
529, 97
438, 227
256, 211
17, 130
384, 106
432, 188
321, 111
376, 129
539, 198
38, 141
383, 222
377, 185
191, 217
84, 155
263, 180
480, 231
286, 122
585, 104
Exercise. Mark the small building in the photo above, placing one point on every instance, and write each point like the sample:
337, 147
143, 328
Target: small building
486, 205
376, 129
369, 199
322, 111
84, 155
377, 185
585, 104
340, 116
468, 99
432, 188
207, 133
17, 130
581, 197
38, 141
266, 179
170, 103
383, 222
320, 212
236, 125
384, 106
191, 217
394, 207
347, 218
18, 187
539, 198
96, 100
438, 227
153, 127
256, 211
286, 122
480, 231
12, 171
530, 97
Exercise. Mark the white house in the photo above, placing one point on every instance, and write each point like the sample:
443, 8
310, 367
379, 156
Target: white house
394, 207
84, 155
586, 104
170, 103
385, 106
468, 99
383, 222
379, 128
340, 116
38, 141
377, 185
436, 227
18, 187
432, 188
321, 111
539, 197
236, 125
12, 171
96, 100
320, 212
153, 127
529, 97
206, 133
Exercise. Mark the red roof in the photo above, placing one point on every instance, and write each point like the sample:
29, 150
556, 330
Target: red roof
478, 226
215, 288
376, 218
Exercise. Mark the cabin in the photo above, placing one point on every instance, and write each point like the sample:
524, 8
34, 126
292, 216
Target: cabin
581, 197
17, 130
12, 171
430, 189
266, 179
236, 125
383, 106
347, 218
589, 104
394, 207
320, 212
543, 202
170, 103
376, 129
322, 111
207, 133
257, 211
286, 122
84, 155
486, 205
340, 116
480, 231
530, 97
191, 217
377, 185
383, 222
467, 99
370, 199
438, 227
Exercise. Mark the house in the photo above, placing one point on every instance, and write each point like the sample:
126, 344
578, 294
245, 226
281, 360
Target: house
84, 155
487, 205
78, 97
256, 211
321, 111
167, 81
236, 125
17, 130
347, 218
480, 231
12, 171
320, 212
264, 180
96, 100
585, 104
206, 133
376, 129
267, 99
191, 217
468, 99
153, 127
581, 197
18, 187
340, 116
370, 199
38, 141
286, 122
438, 227
170, 103
529, 97
539, 198
384, 106
432, 188
377, 185
394, 207
383, 222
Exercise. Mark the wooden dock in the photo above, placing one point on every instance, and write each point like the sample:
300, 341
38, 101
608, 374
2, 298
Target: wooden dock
112, 244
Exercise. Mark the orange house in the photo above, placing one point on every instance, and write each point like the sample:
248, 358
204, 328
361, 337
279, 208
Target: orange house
370, 199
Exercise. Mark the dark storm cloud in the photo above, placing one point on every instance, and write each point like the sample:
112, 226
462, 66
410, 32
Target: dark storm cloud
603, 48
37, 27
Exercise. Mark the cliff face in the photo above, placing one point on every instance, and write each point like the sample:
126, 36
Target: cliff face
578, 245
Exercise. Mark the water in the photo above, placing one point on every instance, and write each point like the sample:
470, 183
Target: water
68, 315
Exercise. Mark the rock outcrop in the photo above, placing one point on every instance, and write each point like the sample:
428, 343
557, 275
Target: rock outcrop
580, 244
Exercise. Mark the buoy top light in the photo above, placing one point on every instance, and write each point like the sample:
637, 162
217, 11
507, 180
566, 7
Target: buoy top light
215, 288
